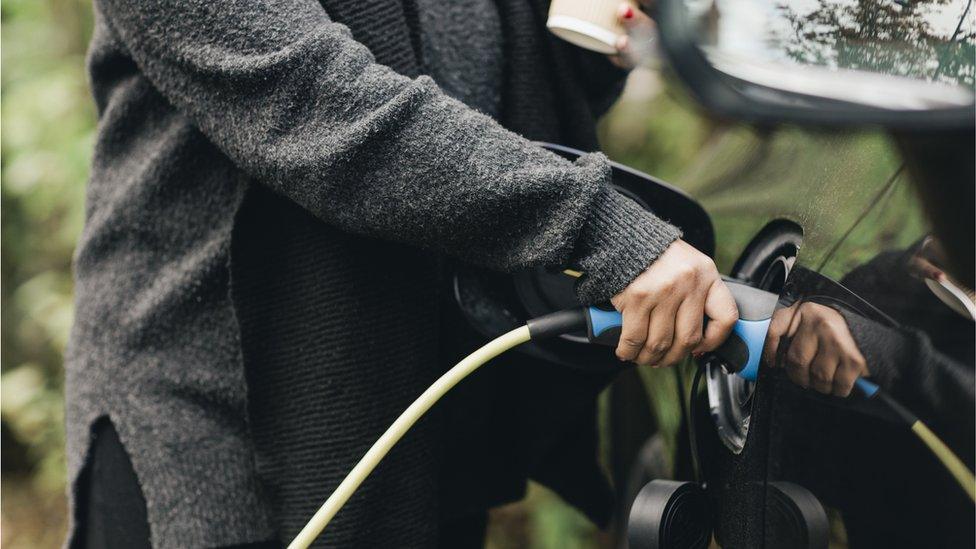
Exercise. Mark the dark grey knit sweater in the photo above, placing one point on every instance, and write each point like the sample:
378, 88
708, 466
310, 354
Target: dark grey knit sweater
266, 198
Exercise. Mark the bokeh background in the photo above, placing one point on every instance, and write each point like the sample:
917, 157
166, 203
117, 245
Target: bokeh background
48, 125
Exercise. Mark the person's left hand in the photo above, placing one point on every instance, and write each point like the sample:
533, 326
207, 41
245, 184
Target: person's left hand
638, 24
822, 354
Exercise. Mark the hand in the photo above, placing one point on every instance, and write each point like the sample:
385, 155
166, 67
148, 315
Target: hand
664, 308
927, 261
640, 28
822, 354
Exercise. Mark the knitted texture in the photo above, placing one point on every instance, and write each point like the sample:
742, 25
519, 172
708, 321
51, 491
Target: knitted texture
207, 105
620, 243
926, 362
467, 65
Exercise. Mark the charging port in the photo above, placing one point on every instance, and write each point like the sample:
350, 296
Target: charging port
765, 263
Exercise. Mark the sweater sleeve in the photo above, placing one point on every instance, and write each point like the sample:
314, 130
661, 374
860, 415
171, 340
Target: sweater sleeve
301, 107
937, 388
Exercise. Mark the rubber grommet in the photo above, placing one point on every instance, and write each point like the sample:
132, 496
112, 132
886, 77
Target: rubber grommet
669, 514
795, 518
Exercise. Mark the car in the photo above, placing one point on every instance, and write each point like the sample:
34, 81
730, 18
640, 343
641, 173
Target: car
876, 230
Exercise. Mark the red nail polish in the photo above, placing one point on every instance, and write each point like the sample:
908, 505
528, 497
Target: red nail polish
629, 13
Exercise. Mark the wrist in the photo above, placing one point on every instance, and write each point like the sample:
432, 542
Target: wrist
618, 241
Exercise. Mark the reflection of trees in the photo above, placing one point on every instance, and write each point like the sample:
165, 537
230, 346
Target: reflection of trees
885, 36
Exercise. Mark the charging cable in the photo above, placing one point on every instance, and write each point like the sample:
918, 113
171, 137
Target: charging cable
939, 449
536, 329
740, 353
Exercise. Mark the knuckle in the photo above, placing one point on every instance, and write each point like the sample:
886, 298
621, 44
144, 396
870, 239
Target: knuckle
659, 347
630, 341
690, 273
692, 340
836, 326
686, 267
667, 286
700, 261
820, 377
641, 293
643, 359
794, 359
818, 323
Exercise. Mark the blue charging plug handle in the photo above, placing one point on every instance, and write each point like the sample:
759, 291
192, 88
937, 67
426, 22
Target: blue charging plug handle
753, 334
742, 350
603, 326
869, 388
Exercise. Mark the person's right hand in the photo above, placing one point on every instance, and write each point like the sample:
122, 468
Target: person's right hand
664, 309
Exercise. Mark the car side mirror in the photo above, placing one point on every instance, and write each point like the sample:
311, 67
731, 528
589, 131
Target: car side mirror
892, 63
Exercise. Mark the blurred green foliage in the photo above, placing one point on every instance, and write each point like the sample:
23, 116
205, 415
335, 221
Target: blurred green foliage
742, 177
47, 130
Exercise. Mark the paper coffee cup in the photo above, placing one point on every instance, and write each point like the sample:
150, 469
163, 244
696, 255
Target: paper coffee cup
590, 24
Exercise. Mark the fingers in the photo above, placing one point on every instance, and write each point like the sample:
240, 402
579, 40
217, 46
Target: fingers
822, 370
639, 27
687, 332
721, 312
923, 268
799, 356
664, 306
779, 326
634, 331
630, 16
847, 373
852, 364
660, 333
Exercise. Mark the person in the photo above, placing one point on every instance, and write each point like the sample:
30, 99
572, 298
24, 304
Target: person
277, 191
890, 490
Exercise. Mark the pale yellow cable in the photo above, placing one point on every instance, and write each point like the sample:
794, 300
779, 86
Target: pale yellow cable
956, 467
399, 427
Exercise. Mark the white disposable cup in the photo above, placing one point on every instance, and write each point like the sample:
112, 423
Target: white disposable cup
590, 24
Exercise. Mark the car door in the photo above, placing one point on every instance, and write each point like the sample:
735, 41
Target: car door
834, 218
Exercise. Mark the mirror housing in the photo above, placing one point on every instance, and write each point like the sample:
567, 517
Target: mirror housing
753, 95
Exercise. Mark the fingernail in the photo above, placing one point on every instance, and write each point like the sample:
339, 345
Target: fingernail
629, 13
624, 11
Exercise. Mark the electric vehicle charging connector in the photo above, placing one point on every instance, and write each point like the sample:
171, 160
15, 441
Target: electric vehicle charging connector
739, 354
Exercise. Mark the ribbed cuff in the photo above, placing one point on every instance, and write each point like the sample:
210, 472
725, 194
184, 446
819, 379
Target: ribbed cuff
618, 242
883, 349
